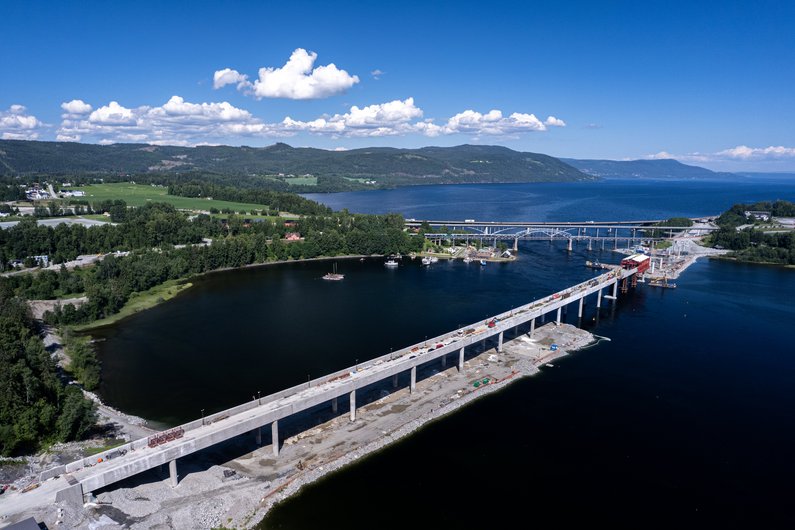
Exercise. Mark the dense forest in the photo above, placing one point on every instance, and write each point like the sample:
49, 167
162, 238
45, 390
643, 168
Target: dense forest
159, 244
756, 241
37, 407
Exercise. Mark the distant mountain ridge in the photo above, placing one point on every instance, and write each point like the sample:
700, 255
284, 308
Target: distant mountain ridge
651, 169
388, 166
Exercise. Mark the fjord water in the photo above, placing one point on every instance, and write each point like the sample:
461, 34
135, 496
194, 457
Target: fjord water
685, 417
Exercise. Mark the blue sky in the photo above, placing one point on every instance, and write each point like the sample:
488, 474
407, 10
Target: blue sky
710, 83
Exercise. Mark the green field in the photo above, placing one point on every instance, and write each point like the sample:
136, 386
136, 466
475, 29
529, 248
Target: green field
139, 302
140, 194
301, 181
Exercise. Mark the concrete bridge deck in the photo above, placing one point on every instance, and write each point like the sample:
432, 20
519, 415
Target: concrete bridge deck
72, 481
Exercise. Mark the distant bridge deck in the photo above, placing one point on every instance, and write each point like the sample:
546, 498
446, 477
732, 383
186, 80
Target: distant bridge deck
70, 482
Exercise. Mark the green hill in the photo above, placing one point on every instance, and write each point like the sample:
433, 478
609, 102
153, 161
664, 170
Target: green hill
650, 169
277, 163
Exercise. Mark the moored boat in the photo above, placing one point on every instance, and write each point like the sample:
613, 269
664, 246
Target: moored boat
334, 276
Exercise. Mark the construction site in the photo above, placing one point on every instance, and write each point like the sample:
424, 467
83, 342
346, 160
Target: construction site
235, 483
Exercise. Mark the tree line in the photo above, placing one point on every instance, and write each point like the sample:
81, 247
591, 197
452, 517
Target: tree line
753, 243
37, 407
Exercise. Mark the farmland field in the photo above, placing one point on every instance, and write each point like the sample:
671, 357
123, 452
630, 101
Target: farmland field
140, 194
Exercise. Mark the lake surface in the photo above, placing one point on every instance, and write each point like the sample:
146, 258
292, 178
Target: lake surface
608, 200
685, 418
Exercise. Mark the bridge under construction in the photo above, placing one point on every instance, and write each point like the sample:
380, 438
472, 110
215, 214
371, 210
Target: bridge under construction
72, 481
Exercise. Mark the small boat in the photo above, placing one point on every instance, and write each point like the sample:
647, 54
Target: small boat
483, 263
593, 264
426, 260
467, 260
390, 263
333, 276
434, 259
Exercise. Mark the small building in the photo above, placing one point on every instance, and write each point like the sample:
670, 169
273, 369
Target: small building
293, 236
641, 261
43, 261
757, 215
290, 223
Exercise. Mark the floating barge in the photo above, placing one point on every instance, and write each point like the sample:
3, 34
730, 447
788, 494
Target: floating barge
662, 283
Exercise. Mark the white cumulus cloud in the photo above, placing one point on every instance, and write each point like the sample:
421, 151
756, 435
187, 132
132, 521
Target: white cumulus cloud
297, 79
177, 122
227, 76
17, 124
384, 119
181, 122
76, 106
744, 152
492, 123
112, 114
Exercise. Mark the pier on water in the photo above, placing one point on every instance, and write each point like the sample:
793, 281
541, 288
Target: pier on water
72, 481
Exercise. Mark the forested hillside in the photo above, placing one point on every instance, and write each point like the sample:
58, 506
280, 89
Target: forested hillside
281, 167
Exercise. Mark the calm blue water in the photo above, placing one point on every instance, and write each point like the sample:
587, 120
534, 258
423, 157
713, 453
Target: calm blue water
608, 200
684, 419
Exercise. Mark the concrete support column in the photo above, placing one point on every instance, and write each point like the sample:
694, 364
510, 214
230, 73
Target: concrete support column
599, 298
334, 405
615, 289
413, 384
275, 437
570, 248
73, 496
499, 342
516, 244
395, 381
558, 319
258, 435
579, 313
173, 479
532, 327
461, 360
444, 361
353, 405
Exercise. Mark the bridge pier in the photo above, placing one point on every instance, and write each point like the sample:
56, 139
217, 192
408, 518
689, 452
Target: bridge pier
413, 383
444, 362
598, 298
73, 495
334, 406
515, 244
173, 478
275, 437
499, 342
615, 290
461, 360
353, 405
582, 301
532, 327
258, 435
558, 319
395, 381
570, 248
